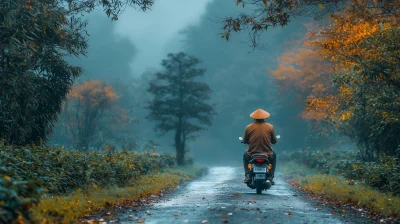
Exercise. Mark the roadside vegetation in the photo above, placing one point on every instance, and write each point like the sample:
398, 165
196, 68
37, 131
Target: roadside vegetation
341, 179
60, 185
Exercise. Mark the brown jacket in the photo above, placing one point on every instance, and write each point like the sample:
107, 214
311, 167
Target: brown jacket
259, 136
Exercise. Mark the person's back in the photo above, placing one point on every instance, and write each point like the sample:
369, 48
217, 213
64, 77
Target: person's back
259, 135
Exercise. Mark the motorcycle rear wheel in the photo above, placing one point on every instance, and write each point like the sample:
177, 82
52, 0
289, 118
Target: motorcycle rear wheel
259, 187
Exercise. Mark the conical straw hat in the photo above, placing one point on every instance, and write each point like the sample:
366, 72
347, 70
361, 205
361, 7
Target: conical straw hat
260, 114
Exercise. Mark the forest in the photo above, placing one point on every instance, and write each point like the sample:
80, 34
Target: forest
102, 107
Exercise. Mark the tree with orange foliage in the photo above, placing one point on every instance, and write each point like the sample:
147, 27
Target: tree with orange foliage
363, 42
86, 110
303, 74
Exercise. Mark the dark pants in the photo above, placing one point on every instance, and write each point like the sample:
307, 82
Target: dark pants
247, 158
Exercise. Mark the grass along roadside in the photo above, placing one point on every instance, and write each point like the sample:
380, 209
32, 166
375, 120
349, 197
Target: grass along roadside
74, 206
342, 191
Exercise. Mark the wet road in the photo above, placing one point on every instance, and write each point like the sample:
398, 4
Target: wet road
221, 197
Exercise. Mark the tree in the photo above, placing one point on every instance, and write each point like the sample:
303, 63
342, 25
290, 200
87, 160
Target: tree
90, 112
179, 101
303, 74
34, 75
304, 71
35, 38
264, 14
361, 42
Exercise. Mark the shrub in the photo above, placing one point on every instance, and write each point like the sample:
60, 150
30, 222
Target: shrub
383, 175
62, 171
16, 199
325, 162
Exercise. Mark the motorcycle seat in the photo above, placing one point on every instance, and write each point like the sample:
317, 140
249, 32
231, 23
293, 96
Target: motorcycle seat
259, 155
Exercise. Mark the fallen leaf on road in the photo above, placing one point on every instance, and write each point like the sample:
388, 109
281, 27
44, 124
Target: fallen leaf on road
342, 212
288, 214
140, 221
223, 216
237, 195
204, 221
176, 215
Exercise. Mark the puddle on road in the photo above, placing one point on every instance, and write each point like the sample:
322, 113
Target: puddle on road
201, 191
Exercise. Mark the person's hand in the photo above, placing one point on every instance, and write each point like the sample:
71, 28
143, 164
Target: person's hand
241, 139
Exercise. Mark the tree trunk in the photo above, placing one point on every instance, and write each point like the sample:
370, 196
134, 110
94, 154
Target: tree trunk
180, 147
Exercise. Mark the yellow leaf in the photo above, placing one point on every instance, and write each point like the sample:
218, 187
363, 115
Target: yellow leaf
265, 1
321, 5
329, 16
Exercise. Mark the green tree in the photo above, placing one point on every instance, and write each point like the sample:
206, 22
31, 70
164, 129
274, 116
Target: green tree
179, 101
35, 38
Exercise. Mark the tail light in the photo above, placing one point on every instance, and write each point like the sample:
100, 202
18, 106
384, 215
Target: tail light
260, 160
269, 166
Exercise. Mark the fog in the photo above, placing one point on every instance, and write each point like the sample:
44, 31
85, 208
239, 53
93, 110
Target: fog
132, 49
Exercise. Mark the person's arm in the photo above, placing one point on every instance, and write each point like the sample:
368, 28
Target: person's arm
274, 139
246, 136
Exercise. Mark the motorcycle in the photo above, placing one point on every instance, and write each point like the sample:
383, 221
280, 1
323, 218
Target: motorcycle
259, 171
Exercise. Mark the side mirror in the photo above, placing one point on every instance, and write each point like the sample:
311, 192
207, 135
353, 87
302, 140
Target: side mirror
240, 138
278, 136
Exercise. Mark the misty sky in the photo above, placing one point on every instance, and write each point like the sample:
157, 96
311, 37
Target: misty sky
158, 30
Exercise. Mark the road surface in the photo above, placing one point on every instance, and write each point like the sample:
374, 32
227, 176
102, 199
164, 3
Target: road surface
221, 197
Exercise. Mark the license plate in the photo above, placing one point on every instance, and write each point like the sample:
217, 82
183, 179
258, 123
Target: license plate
260, 169
260, 176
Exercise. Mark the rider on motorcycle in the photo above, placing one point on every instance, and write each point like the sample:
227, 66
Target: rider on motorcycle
259, 135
